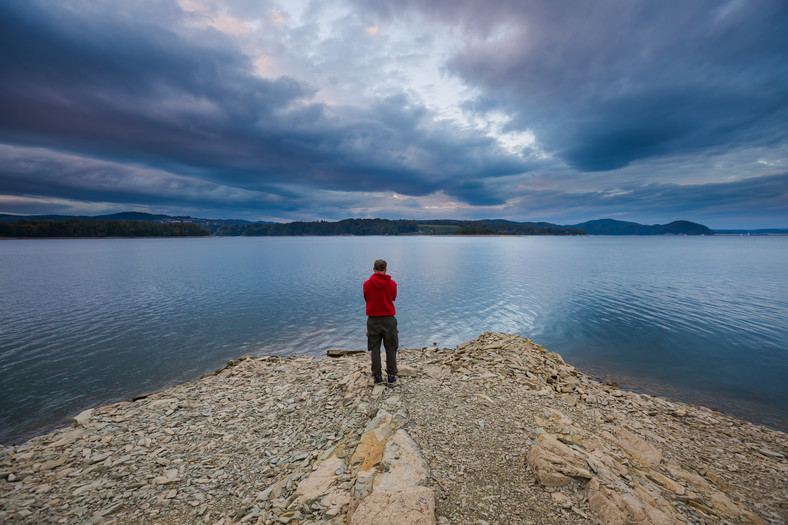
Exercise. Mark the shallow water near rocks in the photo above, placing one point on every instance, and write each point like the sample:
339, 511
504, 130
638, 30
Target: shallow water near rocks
93, 321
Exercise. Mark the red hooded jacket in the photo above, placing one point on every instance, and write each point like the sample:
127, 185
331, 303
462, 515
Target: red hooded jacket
380, 292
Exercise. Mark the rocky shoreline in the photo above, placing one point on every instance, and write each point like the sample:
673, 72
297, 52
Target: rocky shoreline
498, 430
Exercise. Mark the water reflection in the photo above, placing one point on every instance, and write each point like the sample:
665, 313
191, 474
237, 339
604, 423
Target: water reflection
95, 321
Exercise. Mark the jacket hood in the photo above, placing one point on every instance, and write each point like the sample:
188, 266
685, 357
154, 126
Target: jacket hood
380, 280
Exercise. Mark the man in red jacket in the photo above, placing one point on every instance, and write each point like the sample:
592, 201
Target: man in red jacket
380, 292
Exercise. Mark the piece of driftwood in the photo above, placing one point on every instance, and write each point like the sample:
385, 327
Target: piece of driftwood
341, 353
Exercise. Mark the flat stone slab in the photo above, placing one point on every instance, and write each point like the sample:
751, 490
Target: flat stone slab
343, 353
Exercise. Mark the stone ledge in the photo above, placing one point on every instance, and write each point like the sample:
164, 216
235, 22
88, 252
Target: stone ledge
499, 420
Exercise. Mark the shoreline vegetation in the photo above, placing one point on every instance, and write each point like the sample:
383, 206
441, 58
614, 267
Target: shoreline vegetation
80, 228
497, 430
146, 225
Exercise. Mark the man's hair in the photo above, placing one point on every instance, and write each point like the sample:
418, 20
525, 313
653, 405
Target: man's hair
380, 265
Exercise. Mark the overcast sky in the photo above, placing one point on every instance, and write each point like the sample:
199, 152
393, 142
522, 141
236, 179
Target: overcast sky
559, 111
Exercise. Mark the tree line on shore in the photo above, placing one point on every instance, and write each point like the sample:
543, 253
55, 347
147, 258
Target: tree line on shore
344, 227
93, 228
123, 228
396, 227
146, 225
516, 229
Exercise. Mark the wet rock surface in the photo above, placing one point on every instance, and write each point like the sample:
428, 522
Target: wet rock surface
498, 430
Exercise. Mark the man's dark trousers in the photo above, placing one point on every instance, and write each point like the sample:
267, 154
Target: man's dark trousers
383, 329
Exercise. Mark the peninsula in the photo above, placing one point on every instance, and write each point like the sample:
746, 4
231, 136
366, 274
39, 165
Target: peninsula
496, 431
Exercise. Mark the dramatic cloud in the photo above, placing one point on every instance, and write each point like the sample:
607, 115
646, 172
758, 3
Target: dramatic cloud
610, 83
522, 110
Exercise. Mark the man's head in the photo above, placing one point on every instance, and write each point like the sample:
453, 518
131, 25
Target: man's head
380, 266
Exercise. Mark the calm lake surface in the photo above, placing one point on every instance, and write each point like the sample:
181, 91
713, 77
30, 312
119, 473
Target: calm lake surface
94, 321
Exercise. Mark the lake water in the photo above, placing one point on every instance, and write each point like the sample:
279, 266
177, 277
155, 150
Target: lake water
94, 321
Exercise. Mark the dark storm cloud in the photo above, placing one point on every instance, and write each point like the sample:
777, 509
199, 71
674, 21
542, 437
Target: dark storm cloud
123, 89
769, 193
605, 84
47, 175
131, 91
160, 106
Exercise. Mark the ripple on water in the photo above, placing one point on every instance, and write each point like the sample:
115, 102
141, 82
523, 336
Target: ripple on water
86, 322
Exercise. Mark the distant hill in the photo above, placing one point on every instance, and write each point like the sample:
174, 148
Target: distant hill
134, 216
398, 227
614, 227
212, 225
596, 227
324, 228
94, 228
237, 227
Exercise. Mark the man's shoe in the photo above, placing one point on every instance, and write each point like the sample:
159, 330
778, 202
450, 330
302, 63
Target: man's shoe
392, 380
378, 379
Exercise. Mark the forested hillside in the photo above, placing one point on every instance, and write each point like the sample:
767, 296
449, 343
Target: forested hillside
92, 228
